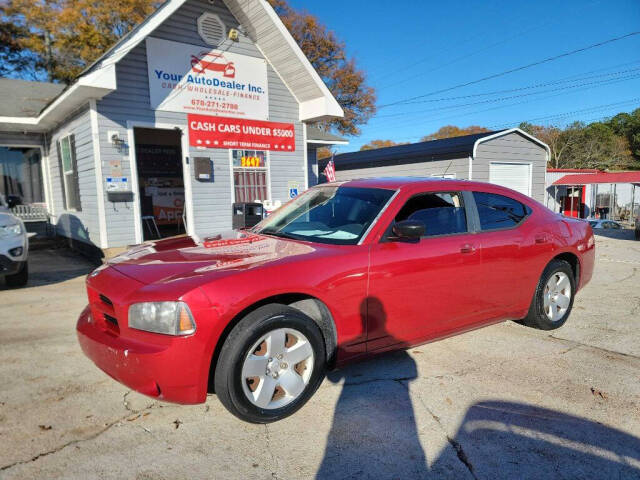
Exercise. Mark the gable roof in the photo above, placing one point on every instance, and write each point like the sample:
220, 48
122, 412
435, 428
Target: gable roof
21, 98
322, 137
263, 26
443, 149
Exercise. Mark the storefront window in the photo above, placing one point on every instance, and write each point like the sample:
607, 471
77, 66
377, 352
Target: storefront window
20, 175
250, 172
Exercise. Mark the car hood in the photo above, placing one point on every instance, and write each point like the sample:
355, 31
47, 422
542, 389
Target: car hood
183, 257
8, 219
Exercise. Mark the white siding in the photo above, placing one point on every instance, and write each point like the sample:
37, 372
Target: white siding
457, 166
82, 225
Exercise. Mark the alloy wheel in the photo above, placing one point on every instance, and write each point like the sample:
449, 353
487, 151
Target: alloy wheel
557, 296
277, 368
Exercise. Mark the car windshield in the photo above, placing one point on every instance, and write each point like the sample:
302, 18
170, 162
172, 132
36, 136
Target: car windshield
593, 224
331, 214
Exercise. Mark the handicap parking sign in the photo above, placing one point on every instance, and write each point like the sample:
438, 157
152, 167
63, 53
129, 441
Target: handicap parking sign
293, 189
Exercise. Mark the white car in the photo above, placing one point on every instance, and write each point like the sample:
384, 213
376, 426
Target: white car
14, 248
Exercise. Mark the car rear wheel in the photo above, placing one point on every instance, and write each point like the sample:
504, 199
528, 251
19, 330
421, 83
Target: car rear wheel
553, 299
18, 279
270, 364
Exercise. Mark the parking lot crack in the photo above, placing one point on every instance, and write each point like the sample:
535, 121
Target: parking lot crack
457, 447
73, 442
274, 459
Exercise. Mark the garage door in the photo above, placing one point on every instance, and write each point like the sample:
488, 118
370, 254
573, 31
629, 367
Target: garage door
516, 176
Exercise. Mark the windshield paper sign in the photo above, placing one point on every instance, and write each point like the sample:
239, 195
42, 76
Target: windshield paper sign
192, 79
219, 132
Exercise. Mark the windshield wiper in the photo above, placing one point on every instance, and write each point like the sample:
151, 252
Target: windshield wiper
276, 233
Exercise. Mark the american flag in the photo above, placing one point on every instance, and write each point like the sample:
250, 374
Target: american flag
330, 171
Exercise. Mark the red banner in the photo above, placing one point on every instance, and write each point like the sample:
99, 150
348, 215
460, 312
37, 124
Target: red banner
222, 132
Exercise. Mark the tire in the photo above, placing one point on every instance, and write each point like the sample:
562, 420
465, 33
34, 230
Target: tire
637, 233
544, 317
18, 279
247, 350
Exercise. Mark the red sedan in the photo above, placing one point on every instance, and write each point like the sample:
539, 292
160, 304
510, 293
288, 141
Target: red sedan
343, 271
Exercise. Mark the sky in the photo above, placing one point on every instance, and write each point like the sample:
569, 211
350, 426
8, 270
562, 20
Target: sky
422, 49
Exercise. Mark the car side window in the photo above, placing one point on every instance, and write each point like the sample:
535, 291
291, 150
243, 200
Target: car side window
441, 212
497, 211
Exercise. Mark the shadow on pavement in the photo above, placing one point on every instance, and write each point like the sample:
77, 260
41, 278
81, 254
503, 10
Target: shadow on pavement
375, 434
52, 266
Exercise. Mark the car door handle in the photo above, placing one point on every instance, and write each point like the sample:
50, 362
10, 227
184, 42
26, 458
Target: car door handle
542, 238
467, 248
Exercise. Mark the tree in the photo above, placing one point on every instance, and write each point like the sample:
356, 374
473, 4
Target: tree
596, 145
628, 125
60, 38
373, 144
327, 55
449, 131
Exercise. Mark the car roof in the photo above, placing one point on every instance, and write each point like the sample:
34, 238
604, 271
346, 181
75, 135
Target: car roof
401, 183
412, 184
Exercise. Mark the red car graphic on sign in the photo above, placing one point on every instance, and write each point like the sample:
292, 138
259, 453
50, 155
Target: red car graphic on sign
213, 62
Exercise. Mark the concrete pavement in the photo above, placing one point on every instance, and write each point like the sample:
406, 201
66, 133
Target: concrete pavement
501, 402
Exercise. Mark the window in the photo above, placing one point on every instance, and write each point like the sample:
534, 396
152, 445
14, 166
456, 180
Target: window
442, 213
331, 214
69, 173
498, 211
250, 172
21, 176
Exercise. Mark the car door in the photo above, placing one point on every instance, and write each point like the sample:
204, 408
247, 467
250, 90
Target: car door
513, 250
423, 289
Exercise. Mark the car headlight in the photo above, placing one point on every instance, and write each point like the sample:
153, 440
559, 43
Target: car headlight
169, 318
10, 230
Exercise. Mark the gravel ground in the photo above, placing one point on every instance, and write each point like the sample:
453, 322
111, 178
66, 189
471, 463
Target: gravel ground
501, 402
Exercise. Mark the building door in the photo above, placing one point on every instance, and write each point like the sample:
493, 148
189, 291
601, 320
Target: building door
160, 181
516, 176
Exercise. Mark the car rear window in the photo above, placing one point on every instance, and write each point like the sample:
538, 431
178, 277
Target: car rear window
497, 211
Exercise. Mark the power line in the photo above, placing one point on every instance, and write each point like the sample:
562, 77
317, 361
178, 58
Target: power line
440, 118
517, 69
572, 78
494, 100
559, 115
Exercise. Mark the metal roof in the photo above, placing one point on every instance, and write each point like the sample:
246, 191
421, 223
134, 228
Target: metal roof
600, 177
455, 147
21, 98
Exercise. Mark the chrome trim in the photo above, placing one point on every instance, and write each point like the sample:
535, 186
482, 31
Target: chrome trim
375, 220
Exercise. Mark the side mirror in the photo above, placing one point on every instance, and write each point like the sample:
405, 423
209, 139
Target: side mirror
408, 230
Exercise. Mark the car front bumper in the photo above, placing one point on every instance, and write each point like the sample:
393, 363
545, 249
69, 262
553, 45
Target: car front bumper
166, 372
9, 263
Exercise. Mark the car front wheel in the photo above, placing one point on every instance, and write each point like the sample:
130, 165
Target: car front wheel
553, 299
270, 364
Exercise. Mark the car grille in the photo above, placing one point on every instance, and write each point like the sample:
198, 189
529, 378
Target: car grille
111, 320
103, 311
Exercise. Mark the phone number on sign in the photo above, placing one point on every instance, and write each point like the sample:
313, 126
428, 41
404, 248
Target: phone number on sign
213, 104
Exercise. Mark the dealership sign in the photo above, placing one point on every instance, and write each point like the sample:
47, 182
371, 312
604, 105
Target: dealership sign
192, 79
220, 132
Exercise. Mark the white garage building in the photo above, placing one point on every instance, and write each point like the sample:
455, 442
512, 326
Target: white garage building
511, 158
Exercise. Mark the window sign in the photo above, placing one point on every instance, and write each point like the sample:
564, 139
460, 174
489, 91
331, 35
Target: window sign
250, 175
